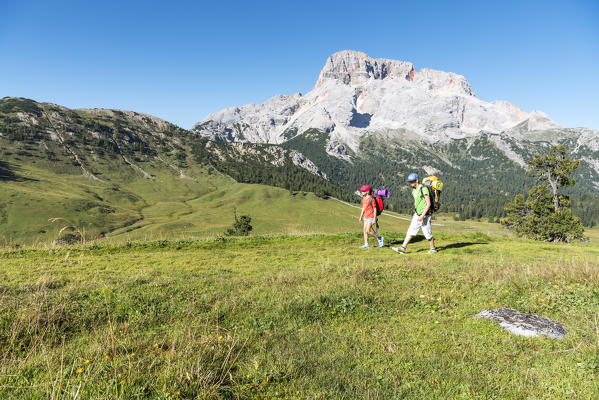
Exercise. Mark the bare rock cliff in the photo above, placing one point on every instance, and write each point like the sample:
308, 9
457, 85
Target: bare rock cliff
357, 95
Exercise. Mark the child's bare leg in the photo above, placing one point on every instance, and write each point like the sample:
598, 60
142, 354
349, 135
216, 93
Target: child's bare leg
371, 233
366, 230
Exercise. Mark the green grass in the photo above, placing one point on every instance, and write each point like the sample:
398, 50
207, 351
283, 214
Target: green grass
97, 208
297, 317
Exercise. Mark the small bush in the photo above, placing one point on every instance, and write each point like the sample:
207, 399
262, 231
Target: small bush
241, 227
69, 239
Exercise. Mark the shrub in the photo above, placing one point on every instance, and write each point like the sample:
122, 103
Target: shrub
241, 227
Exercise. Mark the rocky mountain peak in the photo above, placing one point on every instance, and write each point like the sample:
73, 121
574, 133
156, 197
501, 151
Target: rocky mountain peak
356, 95
355, 67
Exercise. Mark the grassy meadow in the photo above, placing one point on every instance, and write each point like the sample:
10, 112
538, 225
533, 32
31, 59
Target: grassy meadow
298, 317
130, 207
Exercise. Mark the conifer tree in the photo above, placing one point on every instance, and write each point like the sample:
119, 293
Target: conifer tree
553, 169
546, 214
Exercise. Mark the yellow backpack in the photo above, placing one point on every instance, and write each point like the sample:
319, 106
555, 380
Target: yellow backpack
435, 186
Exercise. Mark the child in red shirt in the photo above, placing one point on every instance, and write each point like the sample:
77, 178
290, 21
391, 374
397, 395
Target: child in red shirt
369, 215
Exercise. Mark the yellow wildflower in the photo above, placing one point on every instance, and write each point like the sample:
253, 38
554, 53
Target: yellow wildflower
80, 370
86, 362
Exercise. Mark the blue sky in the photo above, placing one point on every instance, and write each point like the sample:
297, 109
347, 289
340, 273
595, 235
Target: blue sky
183, 60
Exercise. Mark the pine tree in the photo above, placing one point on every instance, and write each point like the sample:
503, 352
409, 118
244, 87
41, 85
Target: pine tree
546, 214
553, 169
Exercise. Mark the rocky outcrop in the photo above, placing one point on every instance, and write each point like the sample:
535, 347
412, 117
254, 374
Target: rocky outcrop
275, 155
525, 324
256, 123
354, 67
301, 161
538, 120
338, 150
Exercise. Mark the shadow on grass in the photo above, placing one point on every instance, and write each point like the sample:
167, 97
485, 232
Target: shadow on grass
399, 242
459, 245
417, 239
7, 174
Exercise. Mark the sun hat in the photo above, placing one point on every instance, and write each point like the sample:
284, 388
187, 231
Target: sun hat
365, 188
412, 177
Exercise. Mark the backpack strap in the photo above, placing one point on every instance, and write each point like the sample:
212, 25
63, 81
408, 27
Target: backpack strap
376, 216
373, 206
430, 196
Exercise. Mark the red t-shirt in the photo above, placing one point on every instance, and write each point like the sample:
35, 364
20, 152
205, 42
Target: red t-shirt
368, 207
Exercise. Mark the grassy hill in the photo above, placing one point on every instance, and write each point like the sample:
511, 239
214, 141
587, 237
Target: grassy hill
302, 317
96, 208
111, 173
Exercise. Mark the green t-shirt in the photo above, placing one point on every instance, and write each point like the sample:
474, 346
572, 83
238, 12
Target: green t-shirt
419, 198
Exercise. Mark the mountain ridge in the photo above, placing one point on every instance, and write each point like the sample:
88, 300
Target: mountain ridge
356, 94
111, 172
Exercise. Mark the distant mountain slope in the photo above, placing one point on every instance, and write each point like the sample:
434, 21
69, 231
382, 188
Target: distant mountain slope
107, 171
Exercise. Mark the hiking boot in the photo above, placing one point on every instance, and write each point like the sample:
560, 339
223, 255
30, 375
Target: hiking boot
380, 239
366, 246
431, 251
400, 250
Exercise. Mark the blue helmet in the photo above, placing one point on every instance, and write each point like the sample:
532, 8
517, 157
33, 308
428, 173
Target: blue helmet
412, 177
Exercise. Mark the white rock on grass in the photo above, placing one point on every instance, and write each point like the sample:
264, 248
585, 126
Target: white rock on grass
525, 324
